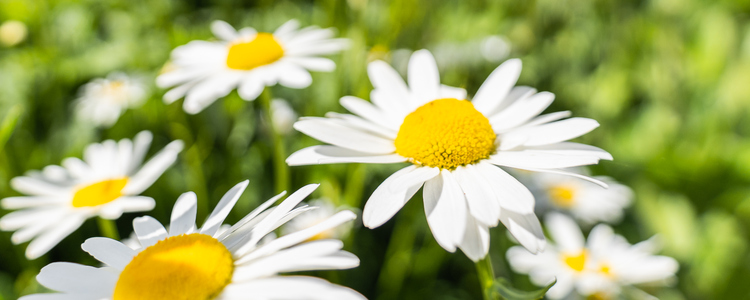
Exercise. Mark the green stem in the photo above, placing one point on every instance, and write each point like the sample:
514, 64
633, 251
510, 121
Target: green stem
281, 170
108, 228
486, 275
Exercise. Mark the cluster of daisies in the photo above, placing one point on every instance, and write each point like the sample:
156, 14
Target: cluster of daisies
480, 161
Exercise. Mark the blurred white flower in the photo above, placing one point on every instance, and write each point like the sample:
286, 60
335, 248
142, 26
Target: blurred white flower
600, 266
12, 33
283, 116
106, 183
103, 100
323, 210
186, 262
245, 59
584, 200
455, 147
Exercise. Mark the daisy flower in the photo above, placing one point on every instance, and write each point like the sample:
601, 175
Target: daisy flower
103, 100
106, 183
598, 266
248, 60
185, 262
455, 148
584, 200
324, 209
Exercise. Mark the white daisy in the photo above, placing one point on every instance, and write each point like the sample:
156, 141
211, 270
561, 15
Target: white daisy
584, 200
105, 183
599, 266
187, 262
203, 71
455, 147
282, 116
103, 100
324, 209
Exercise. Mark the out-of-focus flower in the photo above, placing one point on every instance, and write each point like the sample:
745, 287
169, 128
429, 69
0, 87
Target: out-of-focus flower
586, 201
599, 266
323, 210
186, 262
473, 53
204, 71
103, 100
455, 148
283, 116
12, 33
106, 183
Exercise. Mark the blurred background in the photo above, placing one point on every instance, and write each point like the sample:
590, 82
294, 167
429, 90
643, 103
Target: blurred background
669, 81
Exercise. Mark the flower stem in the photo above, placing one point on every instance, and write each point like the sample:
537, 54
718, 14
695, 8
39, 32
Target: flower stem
281, 170
108, 228
486, 275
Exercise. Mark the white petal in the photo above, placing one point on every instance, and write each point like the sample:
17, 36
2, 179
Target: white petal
250, 87
476, 243
42, 244
212, 88
483, 204
287, 28
76, 279
510, 193
526, 229
31, 201
290, 287
550, 117
35, 186
570, 148
368, 111
153, 169
364, 125
336, 134
326, 154
414, 178
388, 83
223, 30
561, 172
183, 214
148, 230
540, 160
319, 64
295, 77
223, 208
494, 89
521, 111
109, 252
385, 202
565, 232
556, 132
424, 77
445, 207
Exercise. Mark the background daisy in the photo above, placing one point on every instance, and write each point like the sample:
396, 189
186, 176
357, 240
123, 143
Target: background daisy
190, 262
455, 148
103, 100
245, 59
106, 183
323, 210
587, 202
598, 266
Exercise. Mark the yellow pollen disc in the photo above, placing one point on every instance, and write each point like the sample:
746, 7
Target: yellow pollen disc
184, 267
99, 193
606, 270
575, 261
562, 195
445, 133
246, 55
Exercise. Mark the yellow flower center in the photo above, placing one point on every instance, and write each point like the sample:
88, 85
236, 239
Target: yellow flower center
184, 267
99, 193
562, 195
246, 55
575, 261
606, 270
445, 133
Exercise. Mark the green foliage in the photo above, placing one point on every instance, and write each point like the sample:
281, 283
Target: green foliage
501, 289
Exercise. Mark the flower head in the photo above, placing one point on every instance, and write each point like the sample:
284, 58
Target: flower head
248, 60
455, 149
584, 200
598, 266
186, 262
103, 100
106, 183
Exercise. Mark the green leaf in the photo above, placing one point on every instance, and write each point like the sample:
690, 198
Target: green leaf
502, 289
9, 124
